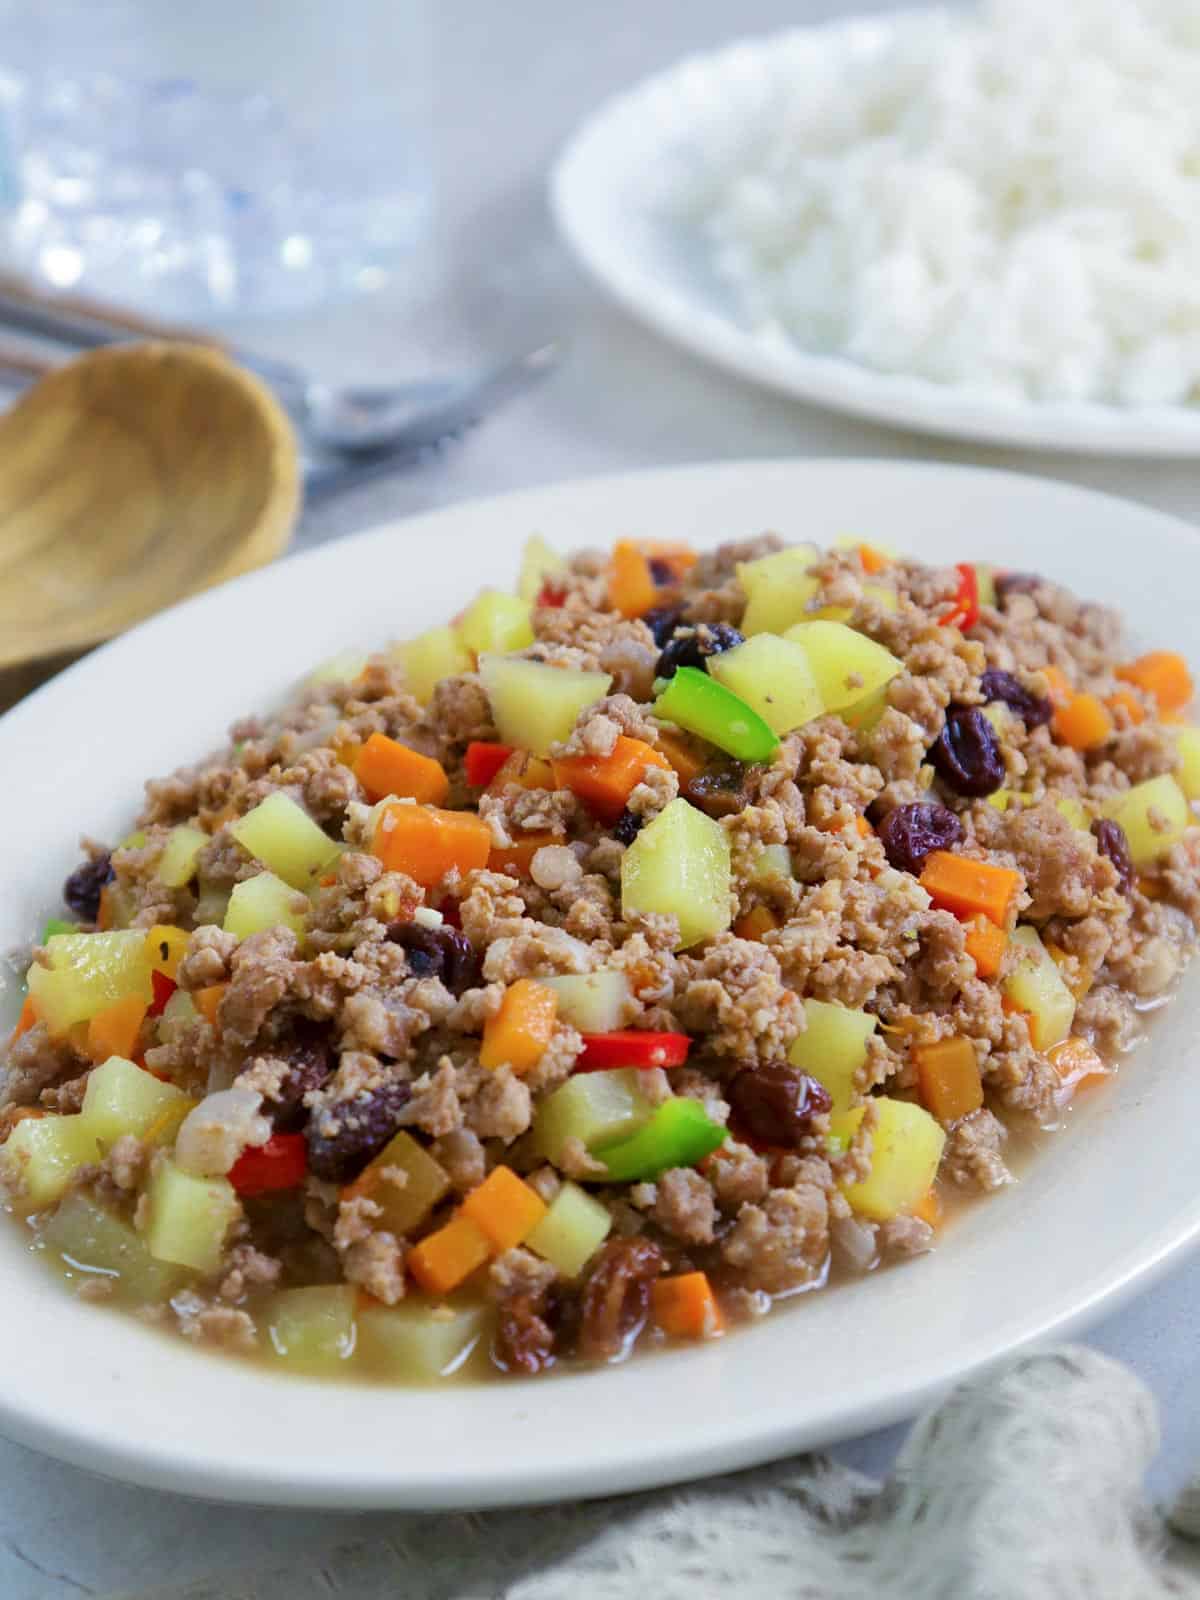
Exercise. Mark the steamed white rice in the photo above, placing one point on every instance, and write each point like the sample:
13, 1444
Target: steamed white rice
1006, 199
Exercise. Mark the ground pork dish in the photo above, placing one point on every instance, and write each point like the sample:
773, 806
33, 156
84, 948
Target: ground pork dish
604, 965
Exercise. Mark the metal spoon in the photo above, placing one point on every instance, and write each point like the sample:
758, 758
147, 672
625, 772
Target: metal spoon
347, 419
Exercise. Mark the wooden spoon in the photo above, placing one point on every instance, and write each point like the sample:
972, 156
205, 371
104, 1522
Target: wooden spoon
130, 477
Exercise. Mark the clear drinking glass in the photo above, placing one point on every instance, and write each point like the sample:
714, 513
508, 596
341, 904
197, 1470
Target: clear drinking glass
221, 158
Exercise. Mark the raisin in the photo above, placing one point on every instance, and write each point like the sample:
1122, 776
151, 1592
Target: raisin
1016, 583
616, 1297
1111, 842
525, 1339
627, 827
966, 754
662, 622
444, 953
693, 649
308, 1049
909, 833
343, 1137
81, 892
662, 572
1031, 708
720, 790
776, 1103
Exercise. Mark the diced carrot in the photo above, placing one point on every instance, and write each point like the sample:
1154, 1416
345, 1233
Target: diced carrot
929, 1208
104, 913
955, 883
1077, 977
631, 586
114, 1031
25, 1021
685, 1306
1076, 1062
681, 558
206, 1001
442, 1260
1083, 723
686, 762
518, 1034
504, 1208
1163, 674
427, 843
516, 858
986, 944
1058, 685
861, 826
1133, 708
604, 783
385, 766
873, 560
948, 1078
165, 946
1150, 887
755, 923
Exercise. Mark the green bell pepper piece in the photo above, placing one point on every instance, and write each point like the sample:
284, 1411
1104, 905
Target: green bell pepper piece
56, 925
694, 701
679, 1134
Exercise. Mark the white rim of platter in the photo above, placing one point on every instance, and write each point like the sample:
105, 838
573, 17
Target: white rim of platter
608, 190
1042, 1257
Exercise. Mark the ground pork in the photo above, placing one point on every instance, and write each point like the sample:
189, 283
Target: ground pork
35, 1062
684, 1205
972, 1157
782, 1244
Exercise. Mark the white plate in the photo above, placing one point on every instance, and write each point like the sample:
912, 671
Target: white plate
1066, 1243
608, 189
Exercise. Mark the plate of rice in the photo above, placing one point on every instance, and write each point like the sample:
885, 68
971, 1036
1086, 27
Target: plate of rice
979, 224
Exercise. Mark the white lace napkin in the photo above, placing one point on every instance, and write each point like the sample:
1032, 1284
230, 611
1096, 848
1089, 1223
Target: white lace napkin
1026, 1483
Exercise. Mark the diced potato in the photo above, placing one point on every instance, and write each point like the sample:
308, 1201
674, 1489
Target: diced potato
41, 1154
420, 1341
883, 596
1074, 810
865, 713
847, 665
679, 865
539, 561
985, 579
1000, 799
188, 1218
571, 1232
593, 1002
264, 901
87, 973
287, 841
1188, 742
342, 668
178, 1013
496, 622
774, 861
436, 654
1155, 815
778, 588
1035, 986
1000, 718
905, 1153
123, 1098
536, 705
773, 676
92, 1240
312, 1329
177, 864
212, 902
833, 1047
593, 1107
408, 1203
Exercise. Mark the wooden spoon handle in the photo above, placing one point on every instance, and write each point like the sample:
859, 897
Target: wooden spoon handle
19, 293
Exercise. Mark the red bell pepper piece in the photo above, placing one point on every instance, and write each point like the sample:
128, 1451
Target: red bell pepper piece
964, 613
163, 988
279, 1164
632, 1048
484, 761
551, 595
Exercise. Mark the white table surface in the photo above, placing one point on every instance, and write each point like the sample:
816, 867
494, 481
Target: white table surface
510, 83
